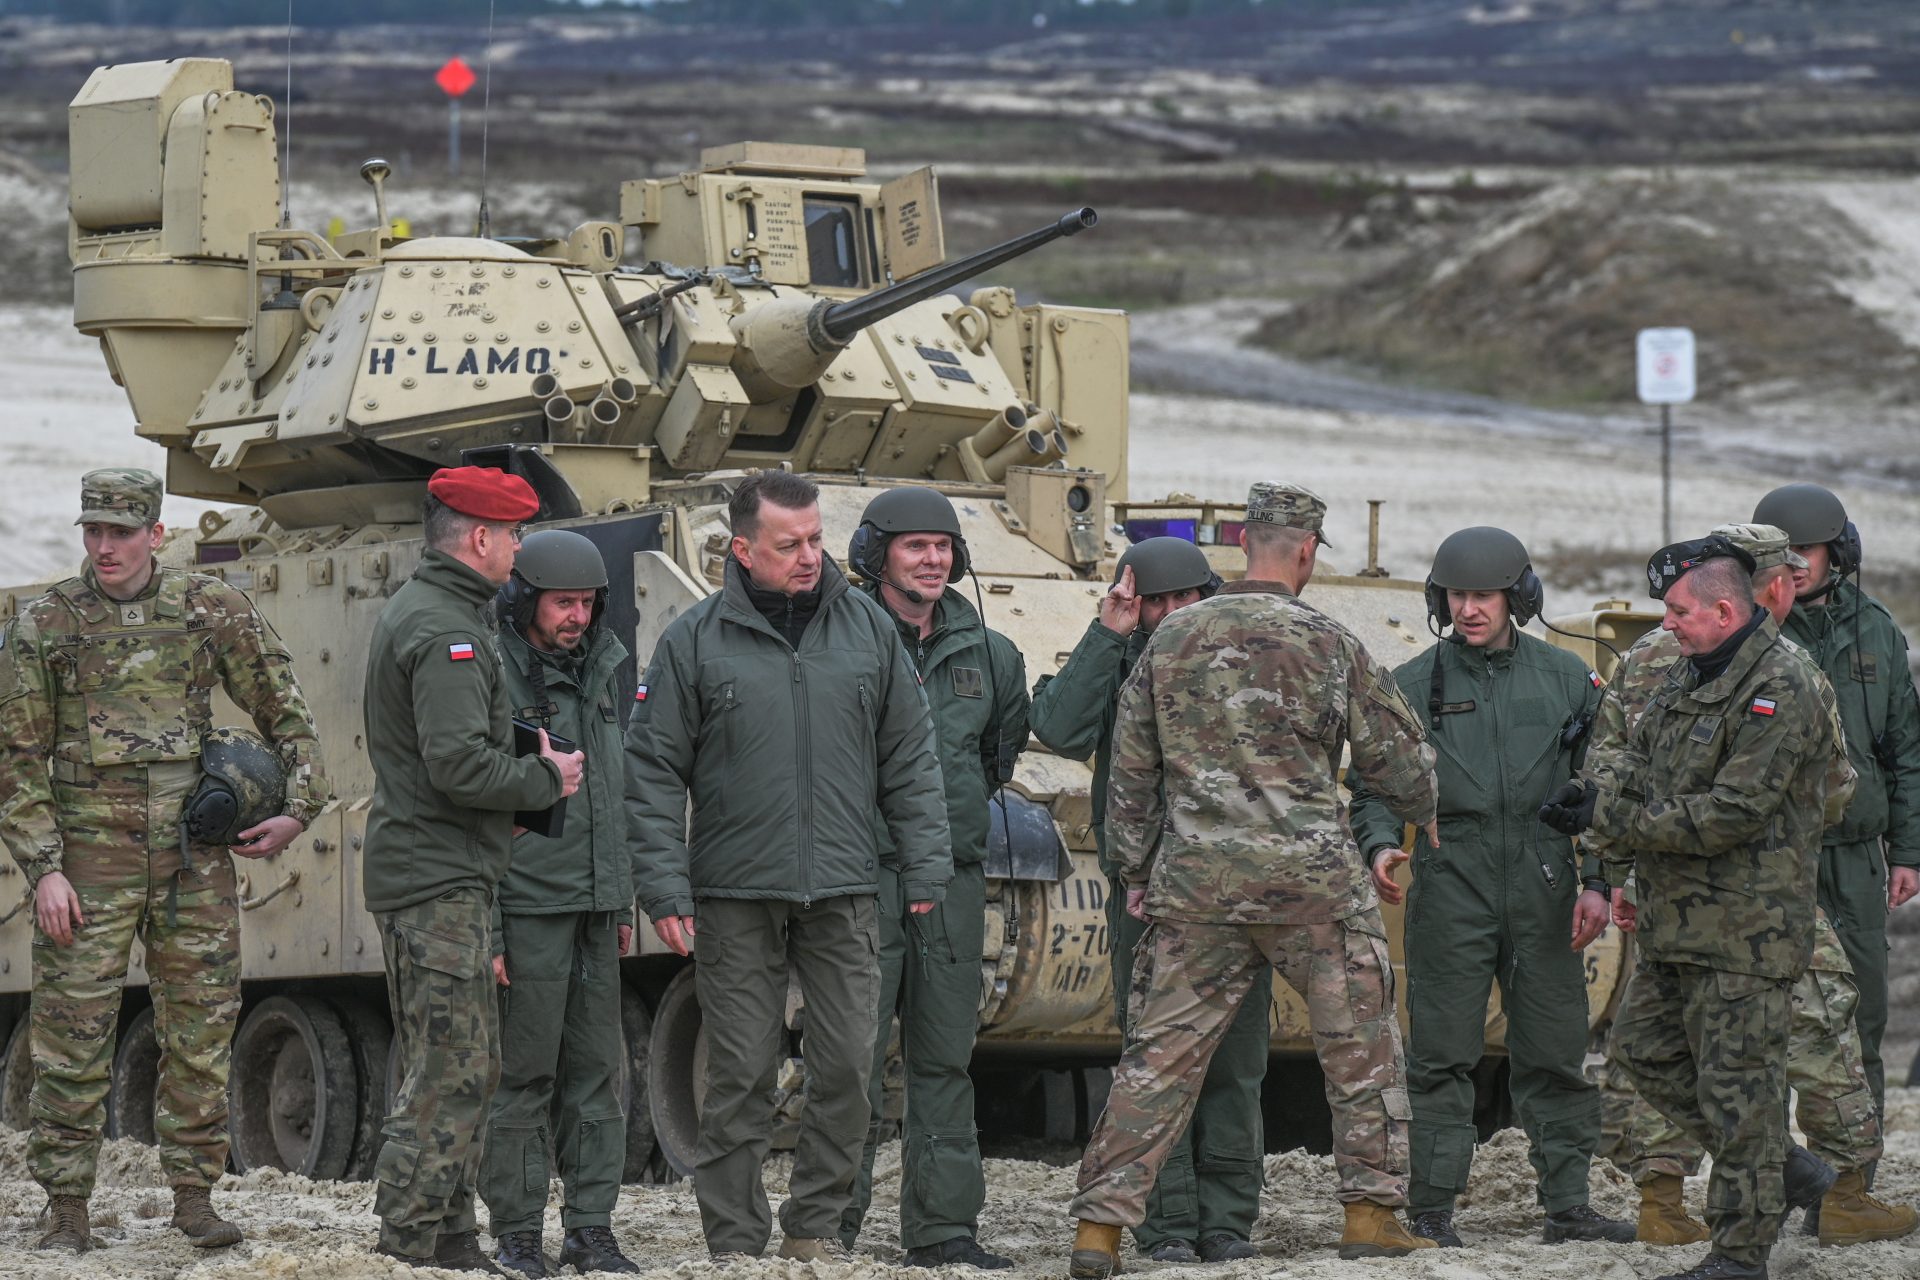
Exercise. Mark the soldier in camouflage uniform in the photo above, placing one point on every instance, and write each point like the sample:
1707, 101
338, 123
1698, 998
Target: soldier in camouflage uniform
1206, 1196
1824, 1062
1716, 793
106, 684
1224, 818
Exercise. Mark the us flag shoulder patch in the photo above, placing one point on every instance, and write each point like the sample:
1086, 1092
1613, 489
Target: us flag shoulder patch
1763, 706
640, 694
1595, 677
462, 652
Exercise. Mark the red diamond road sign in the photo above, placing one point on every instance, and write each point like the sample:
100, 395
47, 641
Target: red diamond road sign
456, 77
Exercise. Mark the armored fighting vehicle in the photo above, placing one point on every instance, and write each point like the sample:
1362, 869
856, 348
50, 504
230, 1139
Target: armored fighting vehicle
772, 308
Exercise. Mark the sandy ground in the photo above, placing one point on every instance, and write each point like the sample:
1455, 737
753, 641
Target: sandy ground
299, 1228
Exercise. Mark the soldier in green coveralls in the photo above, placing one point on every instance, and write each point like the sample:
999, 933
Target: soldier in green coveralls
1870, 859
1204, 1203
439, 726
563, 917
908, 548
1501, 899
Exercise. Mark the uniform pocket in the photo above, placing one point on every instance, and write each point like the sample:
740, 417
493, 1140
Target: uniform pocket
398, 1165
1369, 969
1746, 1027
455, 957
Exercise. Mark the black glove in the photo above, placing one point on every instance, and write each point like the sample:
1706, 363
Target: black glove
1570, 809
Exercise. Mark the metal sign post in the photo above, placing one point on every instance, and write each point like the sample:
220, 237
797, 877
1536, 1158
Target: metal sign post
1665, 367
454, 77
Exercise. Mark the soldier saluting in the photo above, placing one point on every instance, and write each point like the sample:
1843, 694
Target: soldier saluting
105, 689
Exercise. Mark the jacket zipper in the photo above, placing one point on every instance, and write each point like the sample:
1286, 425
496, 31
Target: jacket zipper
806, 781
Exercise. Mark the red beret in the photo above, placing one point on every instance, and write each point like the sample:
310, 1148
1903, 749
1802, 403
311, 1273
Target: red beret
484, 493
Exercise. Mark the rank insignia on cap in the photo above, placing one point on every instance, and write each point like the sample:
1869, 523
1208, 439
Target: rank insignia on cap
1763, 706
460, 652
640, 694
1595, 677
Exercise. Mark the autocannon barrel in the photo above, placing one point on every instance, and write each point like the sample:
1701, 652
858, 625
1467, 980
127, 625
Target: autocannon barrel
844, 319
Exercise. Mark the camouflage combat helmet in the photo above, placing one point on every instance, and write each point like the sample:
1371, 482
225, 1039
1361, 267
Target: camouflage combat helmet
242, 784
1161, 565
1484, 558
553, 560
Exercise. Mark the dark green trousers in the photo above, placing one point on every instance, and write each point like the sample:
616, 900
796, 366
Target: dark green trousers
1210, 1184
744, 949
560, 1050
930, 977
1853, 893
1464, 933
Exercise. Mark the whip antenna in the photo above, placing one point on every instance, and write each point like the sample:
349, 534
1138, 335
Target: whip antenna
286, 163
486, 102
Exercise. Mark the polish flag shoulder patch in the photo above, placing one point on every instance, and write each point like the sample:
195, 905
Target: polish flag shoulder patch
1595, 677
1762, 706
640, 694
462, 652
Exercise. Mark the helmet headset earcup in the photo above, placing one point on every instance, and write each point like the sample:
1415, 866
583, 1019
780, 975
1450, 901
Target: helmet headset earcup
1845, 551
1526, 597
1438, 610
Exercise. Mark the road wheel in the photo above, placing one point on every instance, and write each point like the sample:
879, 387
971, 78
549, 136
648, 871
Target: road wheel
637, 1026
16, 1078
677, 1072
296, 1095
136, 1080
372, 1038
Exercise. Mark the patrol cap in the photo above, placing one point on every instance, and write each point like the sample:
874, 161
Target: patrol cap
1670, 564
120, 495
484, 493
1766, 543
1289, 505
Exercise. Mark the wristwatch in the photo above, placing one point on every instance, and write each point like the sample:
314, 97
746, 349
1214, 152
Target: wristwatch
1599, 885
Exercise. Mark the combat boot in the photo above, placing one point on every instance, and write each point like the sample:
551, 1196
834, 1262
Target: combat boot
1582, 1222
193, 1213
1096, 1251
1718, 1267
1806, 1178
1224, 1246
1849, 1214
1374, 1231
813, 1249
521, 1251
1437, 1225
588, 1249
67, 1225
1174, 1251
1663, 1213
960, 1251
461, 1251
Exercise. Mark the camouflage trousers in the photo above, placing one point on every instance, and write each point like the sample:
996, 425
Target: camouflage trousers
446, 1030
190, 929
1709, 1049
1824, 1068
1189, 981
